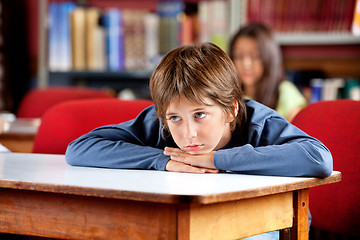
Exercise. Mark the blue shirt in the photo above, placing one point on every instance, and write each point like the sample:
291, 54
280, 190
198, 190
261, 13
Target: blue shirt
267, 144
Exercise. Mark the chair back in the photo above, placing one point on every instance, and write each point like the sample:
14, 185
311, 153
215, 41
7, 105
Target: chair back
67, 121
38, 100
336, 207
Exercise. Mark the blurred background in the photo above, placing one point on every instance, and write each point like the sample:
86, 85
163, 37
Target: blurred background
115, 44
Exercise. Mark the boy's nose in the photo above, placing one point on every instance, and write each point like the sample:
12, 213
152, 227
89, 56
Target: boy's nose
190, 130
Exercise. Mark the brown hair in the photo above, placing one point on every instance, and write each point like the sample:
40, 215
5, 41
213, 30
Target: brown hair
197, 72
267, 91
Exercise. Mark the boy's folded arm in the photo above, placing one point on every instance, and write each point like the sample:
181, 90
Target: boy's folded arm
277, 148
305, 158
112, 147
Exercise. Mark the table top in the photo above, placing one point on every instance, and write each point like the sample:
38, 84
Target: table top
50, 173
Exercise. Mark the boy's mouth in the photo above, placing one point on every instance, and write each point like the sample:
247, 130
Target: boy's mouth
194, 147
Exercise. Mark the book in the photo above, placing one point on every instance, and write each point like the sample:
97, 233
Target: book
65, 48
316, 85
204, 24
60, 46
152, 54
54, 13
134, 38
356, 20
302, 15
170, 24
219, 23
113, 22
94, 40
238, 17
213, 20
78, 38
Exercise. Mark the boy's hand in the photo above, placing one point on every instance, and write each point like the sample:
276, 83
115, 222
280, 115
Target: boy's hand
174, 166
182, 161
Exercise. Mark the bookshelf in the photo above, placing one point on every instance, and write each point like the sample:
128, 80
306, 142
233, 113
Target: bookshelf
98, 78
304, 42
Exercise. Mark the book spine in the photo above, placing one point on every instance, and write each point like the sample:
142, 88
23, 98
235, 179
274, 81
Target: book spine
356, 19
112, 21
78, 38
54, 10
316, 89
134, 39
65, 54
170, 24
152, 53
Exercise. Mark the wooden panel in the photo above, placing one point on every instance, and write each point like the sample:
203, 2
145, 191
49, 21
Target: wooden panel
238, 219
17, 142
331, 67
333, 60
74, 217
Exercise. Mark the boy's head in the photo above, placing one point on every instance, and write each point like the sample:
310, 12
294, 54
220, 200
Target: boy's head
197, 72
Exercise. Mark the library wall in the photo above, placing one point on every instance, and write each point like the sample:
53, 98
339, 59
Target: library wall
334, 58
14, 51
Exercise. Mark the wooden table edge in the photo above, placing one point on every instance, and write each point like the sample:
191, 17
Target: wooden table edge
168, 198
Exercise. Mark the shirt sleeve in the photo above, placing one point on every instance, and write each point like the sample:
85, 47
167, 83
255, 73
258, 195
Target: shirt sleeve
136, 144
277, 148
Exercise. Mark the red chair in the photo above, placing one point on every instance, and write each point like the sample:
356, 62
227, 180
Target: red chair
335, 208
67, 121
38, 100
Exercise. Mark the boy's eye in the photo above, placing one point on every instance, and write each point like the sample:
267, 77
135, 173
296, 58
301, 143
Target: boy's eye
175, 118
200, 115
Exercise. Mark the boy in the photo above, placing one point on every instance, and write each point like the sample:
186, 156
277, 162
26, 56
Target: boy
201, 124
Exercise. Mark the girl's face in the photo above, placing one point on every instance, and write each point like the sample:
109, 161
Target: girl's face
247, 61
198, 128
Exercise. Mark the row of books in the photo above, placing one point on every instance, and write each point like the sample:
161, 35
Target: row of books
332, 89
303, 15
89, 38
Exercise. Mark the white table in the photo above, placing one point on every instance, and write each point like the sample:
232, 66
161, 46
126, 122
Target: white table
41, 195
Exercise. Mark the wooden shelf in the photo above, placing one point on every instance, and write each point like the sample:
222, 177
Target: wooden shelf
321, 38
135, 74
138, 79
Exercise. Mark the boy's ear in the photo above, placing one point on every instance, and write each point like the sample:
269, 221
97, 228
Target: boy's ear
236, 107
230, 116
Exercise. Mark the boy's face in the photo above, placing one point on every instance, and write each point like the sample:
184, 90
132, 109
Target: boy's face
198, 128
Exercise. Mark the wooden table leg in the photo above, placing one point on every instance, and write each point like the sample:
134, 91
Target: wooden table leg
183, 229
285, 234
300, 229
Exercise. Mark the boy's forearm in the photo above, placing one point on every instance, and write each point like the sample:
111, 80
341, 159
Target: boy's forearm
92, 152
292, 159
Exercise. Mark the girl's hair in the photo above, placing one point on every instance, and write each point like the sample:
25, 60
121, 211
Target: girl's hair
267, 89
197, 72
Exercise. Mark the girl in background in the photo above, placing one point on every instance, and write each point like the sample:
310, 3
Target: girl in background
258, 60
